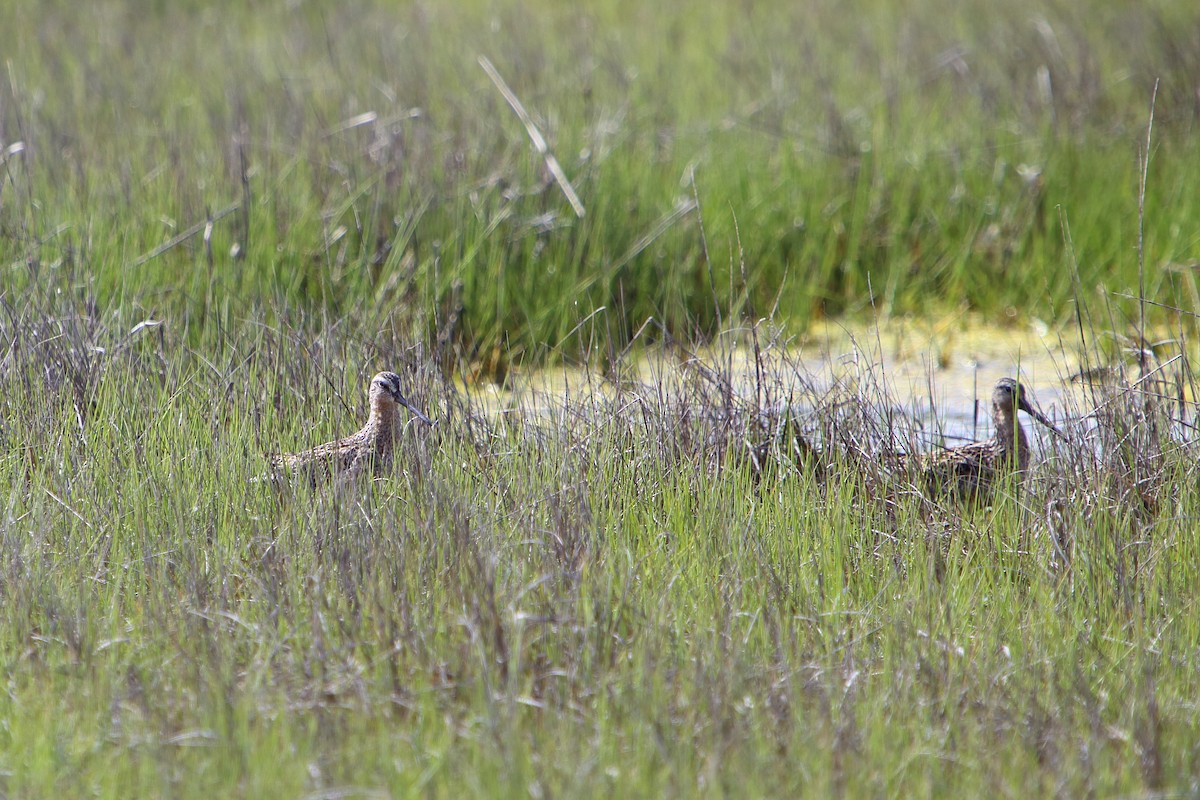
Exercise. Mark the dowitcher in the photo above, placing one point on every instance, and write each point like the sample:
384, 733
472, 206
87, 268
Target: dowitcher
971, 470
369, 449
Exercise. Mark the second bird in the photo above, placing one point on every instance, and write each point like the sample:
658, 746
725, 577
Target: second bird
970, 470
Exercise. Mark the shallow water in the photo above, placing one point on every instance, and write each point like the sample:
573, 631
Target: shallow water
943, 373
939, 373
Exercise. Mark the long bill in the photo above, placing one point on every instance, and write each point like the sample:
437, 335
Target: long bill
404, 401
1042, 418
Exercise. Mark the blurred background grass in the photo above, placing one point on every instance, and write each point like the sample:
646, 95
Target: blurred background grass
846, 158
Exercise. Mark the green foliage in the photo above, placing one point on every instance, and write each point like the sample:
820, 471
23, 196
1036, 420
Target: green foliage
843, 158
215, 221
597, 598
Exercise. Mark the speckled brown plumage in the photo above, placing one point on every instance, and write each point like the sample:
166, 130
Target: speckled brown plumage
971, 470
370, 449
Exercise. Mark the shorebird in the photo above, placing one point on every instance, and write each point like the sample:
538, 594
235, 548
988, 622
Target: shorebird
970, 470
369, 449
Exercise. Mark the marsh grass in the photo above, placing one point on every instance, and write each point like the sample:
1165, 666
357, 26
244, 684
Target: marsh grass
610, 595
218, 223
855, 161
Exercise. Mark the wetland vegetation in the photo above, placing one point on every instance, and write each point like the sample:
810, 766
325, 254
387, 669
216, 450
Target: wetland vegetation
692, 579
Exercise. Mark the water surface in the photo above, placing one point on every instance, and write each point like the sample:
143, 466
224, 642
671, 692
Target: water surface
940, 373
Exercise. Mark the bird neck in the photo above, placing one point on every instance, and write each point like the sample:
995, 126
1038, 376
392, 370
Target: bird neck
383, 419
1010, 436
